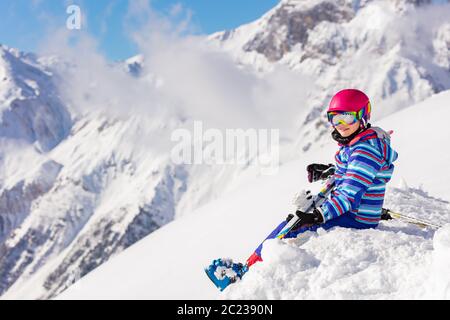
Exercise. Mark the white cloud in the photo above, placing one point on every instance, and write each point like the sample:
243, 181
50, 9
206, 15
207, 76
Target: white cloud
183, 79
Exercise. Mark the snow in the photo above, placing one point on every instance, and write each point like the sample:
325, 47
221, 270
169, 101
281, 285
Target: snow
340, 264
80, 179
440, 267
420, 136
29, 109
116, 182
395, 261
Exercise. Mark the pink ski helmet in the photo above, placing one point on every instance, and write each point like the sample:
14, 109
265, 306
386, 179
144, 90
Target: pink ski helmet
351, 100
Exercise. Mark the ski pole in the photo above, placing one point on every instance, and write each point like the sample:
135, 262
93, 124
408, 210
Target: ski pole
387, 214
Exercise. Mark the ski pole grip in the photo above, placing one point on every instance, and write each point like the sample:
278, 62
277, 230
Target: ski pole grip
385, 214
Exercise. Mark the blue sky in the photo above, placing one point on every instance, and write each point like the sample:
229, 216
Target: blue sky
24, 23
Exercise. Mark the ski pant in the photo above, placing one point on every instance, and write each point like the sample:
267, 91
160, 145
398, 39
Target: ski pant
346, 220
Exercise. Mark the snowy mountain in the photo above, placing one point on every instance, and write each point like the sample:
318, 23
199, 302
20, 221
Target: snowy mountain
62, 176
395, 261
68, 204
30, 107
396, 51
85, 168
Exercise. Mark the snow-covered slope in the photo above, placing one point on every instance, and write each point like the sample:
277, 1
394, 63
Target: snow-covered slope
396, 260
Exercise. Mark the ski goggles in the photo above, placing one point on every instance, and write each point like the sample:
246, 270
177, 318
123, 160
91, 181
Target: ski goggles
345, 118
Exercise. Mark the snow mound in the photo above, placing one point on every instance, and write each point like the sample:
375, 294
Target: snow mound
440, 268
395, 261
417, 203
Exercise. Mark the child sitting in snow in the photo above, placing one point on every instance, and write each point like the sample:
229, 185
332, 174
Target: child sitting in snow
364, 165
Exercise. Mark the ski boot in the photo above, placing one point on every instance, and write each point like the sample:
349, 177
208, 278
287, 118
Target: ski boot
223, 272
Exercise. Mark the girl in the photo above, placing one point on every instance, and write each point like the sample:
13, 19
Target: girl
364, 164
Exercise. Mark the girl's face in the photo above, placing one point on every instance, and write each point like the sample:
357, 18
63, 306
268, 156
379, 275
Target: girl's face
346, 130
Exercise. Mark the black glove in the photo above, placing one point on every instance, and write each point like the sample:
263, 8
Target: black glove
317, 171
385, 214
312, 218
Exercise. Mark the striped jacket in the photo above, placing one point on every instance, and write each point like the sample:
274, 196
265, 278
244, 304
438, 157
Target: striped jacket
363, 167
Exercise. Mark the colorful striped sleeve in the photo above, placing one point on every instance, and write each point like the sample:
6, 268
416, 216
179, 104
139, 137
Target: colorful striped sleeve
364, 163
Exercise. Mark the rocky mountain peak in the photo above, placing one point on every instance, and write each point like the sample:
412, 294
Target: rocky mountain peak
289, 26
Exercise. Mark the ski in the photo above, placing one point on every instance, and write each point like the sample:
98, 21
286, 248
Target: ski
223, 272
